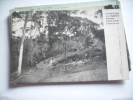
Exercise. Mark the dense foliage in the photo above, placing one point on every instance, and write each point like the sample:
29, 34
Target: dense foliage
59, 34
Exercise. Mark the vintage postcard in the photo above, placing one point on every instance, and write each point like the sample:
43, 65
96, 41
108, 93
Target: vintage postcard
71, 45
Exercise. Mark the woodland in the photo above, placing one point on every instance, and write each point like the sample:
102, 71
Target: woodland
67, 41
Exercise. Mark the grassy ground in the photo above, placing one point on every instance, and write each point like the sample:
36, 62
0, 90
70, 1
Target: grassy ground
81, 71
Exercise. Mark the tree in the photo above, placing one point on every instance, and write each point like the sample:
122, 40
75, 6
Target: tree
21, 45
25, 17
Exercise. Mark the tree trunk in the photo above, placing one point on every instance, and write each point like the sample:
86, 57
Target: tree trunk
21, 47
58, 47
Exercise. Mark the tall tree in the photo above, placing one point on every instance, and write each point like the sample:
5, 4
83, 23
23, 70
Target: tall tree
25, 17
21, 46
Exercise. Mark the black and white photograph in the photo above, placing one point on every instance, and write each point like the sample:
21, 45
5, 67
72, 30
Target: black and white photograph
58, 46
